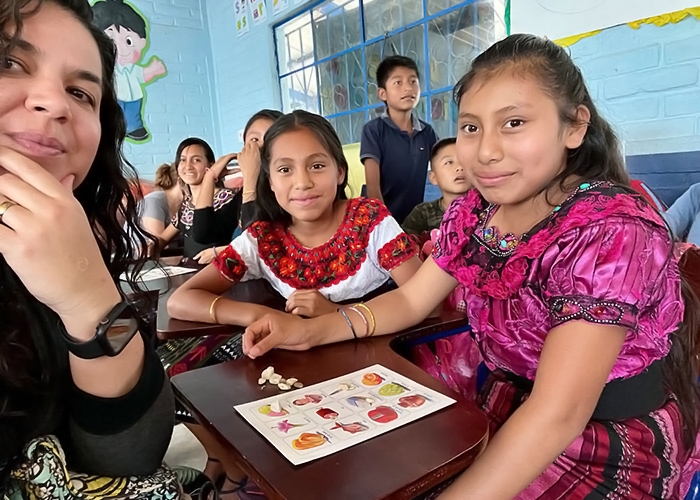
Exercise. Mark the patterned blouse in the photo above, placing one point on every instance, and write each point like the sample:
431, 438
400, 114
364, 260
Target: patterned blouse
358, 259
603, 256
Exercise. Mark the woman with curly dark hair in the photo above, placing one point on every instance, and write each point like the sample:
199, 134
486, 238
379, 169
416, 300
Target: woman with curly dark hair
75, 361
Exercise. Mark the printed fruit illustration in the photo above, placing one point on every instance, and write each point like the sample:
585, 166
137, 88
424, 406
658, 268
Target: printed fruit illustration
327, 413
392, 390
308, 399
308, 440
363, 402
372, 379
266, 410
413, 401
383, 414
352, 428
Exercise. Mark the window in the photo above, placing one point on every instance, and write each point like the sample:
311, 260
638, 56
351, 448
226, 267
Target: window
328, 55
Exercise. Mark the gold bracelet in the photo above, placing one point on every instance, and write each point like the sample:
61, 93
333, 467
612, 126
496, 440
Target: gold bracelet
364, 319
371, 317
212, 310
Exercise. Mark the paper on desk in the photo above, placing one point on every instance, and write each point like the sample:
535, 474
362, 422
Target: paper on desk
160, 272
322, 419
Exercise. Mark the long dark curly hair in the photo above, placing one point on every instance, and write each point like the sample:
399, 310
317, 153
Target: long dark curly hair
33, 364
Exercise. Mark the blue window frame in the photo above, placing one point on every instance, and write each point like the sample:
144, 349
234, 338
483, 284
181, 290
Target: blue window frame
327, 55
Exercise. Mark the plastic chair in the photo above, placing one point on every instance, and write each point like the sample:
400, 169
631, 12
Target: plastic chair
694, 491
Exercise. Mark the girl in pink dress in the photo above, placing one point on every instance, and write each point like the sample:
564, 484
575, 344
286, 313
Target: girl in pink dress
572, 290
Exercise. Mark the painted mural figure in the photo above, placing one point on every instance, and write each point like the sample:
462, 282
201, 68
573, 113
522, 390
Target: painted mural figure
127, 27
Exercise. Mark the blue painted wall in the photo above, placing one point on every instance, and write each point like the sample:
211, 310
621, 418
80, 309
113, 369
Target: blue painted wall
183, 102
646, 83
245, 68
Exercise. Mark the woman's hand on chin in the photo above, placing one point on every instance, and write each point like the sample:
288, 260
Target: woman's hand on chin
46, 239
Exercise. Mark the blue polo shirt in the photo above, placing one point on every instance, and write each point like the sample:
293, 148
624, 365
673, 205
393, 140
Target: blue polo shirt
403, 161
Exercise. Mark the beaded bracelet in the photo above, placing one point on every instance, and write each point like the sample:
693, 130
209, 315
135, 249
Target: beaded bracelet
345, 315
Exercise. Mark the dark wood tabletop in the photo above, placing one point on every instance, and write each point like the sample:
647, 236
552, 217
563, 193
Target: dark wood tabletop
400, 464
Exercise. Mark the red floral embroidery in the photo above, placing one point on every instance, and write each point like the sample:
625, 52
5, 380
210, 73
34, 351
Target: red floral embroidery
334, 261
396, 252
230, 265
459, 253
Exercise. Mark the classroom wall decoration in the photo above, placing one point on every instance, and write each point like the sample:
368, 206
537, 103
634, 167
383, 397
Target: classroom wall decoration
129, 29
561, 18
241, 12
258, 11
279, 6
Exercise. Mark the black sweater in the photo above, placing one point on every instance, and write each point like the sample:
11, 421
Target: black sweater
111, 437
208, 227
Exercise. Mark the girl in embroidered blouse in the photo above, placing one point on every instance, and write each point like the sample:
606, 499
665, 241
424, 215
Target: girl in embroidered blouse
573, 293
209, 213
311, 244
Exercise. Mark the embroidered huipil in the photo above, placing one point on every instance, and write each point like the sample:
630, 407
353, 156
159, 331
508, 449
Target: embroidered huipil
358, 259
604, 256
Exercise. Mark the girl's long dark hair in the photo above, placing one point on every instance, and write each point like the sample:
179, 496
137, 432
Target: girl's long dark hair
263, 114
208, 154
597, 158
31, 367
266, 204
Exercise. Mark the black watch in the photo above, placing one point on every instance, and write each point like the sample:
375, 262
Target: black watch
112, 334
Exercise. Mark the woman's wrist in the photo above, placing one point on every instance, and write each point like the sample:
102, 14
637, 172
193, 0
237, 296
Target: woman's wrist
82, 324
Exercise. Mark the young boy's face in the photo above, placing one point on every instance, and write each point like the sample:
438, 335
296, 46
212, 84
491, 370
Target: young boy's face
402, 90
447, 173
129, 44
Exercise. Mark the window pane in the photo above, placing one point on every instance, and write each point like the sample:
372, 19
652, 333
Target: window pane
435, 6
349, 127
443, 114
342, 83
300, 91
408, 43
336, 27
456, 38
421, 109
295, 44
382, 16
376, 111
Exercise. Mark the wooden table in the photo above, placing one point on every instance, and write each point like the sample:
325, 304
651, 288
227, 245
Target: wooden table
398, 465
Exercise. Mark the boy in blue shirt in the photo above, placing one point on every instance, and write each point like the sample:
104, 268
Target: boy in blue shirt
395, 147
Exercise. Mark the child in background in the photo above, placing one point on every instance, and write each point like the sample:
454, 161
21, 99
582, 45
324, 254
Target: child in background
447, 174
249, 157
159, 206
315, 247
395, 147
684, 216
209, 213
453, 359
574, 294
249, 164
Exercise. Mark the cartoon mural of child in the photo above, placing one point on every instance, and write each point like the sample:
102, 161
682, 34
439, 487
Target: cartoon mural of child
127, 27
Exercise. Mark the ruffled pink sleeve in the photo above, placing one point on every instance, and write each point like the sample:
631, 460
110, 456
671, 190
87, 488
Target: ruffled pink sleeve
456, 229
616, 271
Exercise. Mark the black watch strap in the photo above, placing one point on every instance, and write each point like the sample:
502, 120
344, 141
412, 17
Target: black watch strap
112, 334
